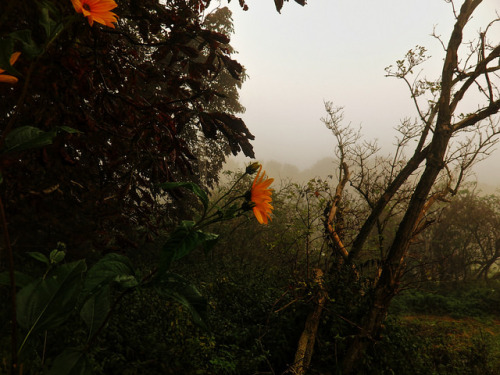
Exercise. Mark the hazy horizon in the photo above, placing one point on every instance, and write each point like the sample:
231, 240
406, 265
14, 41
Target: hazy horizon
337, 51
283, 170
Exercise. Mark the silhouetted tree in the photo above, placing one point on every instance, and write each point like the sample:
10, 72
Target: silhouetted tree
399, 193
434, 135
147, 97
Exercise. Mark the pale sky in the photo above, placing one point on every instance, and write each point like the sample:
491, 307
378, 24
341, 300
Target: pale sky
336, 50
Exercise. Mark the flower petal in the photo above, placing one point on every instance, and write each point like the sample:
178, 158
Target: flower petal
261, 197
14, 57
97, 10
8, 79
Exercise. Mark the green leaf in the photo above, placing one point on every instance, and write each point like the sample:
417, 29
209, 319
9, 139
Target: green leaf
96, 309
181, 290
47, 303
29, 47
6, 50
56, 256
71, 361
126, 281
28, 137
199, 192
21, 279
208, 240
69, 130
39, 256
51, 27
182, 241
111, 268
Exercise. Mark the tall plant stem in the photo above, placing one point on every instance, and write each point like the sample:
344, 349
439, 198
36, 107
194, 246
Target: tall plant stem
118, 299
10, 255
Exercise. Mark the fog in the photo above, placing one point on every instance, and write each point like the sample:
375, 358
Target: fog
337, 51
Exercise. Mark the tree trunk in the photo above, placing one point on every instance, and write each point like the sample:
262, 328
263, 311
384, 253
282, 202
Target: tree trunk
370, 330
393, 266
305, 346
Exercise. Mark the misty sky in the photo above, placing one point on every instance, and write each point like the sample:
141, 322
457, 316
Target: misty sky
336, 50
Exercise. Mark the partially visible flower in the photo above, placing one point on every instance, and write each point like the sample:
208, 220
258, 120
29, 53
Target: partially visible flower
260, 195
6, 77
97, 10
252, 168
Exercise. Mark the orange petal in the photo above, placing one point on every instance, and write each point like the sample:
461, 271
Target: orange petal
77, 4
8, 79
258, 215
14, 57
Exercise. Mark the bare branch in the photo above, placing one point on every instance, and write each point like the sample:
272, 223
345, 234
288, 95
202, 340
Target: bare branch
481, 68
438, 38
480, 115
453, 7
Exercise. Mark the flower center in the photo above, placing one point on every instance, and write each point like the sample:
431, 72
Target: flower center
86, 7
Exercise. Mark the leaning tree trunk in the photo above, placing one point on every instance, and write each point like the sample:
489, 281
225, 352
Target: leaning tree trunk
388, 282
393, 268
306, 342
305, 346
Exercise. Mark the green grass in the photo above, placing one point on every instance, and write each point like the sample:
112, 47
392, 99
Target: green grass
463, 345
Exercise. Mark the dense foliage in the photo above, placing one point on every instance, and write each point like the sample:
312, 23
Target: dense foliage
258, 285
145, 98
464, 245
118, 259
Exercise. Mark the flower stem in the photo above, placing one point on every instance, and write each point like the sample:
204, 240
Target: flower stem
215, 204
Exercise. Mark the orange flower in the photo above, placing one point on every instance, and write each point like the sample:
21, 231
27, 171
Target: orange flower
261, 197
97, 10
6, 77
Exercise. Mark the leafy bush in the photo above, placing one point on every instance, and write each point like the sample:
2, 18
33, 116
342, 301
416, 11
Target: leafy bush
476, 300
414, 347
